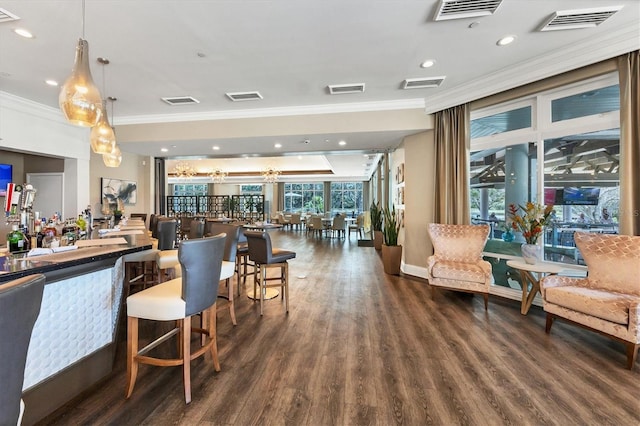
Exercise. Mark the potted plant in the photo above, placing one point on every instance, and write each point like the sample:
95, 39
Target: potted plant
376, 225
391, 251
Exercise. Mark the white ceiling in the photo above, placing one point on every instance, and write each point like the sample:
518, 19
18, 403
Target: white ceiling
290, 51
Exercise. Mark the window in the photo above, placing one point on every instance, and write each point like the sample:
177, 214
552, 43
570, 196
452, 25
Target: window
251, 189
308, 197
558, 147
346, 197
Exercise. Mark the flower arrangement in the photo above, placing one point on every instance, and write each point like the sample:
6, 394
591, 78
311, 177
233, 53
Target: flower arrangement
532, 222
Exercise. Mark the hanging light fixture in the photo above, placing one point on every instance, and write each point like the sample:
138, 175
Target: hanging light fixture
114, 157
183, 170
270, 175
218, 176
102, 137
79, 98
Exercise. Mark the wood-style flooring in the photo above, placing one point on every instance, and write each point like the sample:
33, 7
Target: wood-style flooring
359, 347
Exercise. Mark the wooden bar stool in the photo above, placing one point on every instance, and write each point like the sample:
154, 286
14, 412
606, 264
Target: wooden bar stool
178, 300
167, 256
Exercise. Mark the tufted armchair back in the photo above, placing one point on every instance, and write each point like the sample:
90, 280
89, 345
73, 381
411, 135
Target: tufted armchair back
613, 261
458, 243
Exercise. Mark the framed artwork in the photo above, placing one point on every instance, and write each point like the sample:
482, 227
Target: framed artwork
113, 190
400, 173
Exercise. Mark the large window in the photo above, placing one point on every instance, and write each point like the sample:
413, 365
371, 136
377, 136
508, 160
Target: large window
304, 197
255, 189
346, 197
559, 147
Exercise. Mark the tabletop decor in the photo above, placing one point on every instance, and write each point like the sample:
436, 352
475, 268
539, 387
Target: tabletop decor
531, 224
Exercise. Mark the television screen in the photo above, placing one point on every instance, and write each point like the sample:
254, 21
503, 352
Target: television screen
553, 196
581, 196
6, 172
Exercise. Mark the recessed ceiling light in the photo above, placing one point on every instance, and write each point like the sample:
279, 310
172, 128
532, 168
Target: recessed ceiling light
51, 82
428, 63
216, 148
278, 145
506, 40
164, 150
23, 33
342, 143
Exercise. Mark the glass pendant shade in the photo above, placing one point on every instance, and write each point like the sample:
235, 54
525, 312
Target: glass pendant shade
102, 137
114, 158
79, 98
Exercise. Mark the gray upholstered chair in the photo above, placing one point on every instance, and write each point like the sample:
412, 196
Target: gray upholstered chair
178, 300
167, 256
264, 256
20, 302
457, 262
196, 229
228, 268
607, 301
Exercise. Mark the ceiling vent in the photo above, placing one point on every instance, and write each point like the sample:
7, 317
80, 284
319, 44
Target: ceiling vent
6, 16
576, 19
461, 9
244, 96
339, 89
181, 100
421, 83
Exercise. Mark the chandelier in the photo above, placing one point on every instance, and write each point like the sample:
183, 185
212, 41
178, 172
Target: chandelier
218, 176
183, 170
271, 175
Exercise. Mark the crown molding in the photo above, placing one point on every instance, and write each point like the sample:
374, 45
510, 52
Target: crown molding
400, 104
26, 106
588, 51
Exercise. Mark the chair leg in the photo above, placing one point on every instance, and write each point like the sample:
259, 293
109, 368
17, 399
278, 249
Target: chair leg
547, 327
286, 285
232, 308
213, 336
486, 301
263, 282
132, 351
186, 357
632, 354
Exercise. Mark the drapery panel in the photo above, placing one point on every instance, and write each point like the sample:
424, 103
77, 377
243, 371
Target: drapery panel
629, 75
452, 139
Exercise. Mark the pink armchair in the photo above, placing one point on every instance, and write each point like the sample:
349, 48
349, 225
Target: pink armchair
457, 260
607, 301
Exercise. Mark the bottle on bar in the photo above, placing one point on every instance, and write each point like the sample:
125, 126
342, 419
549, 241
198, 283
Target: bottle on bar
15, 240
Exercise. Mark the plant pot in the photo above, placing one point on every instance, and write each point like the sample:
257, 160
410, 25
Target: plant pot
377, 240
391, 259
531, 253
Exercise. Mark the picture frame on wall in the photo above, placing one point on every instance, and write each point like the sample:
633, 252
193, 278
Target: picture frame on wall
113, 190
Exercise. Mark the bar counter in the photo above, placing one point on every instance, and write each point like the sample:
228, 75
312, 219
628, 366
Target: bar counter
74, 339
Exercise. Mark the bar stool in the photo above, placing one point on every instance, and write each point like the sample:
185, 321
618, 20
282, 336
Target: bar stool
20, 302
264, 257
140, 270
178, 300
228, 268
196, 229
242, 258
167, 255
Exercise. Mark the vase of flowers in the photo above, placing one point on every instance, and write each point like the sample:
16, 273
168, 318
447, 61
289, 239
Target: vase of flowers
530, 223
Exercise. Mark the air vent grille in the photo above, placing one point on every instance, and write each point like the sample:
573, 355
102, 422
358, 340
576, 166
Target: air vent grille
576, 19
421, 83
6, 16
460, 9
181, 100
339, 89
244, 96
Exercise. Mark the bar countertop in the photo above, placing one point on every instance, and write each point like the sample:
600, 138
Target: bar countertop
14, 266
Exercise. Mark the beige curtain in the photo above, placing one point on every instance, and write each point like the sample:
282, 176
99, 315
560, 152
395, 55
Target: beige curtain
280, 203
452, 138
629, 73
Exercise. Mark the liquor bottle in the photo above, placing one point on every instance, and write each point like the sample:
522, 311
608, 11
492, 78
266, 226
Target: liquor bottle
15, 240
39, 235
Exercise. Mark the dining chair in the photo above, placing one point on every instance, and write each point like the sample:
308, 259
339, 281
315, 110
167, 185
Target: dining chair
20, 302
178, 300
296, 219
358, 226
316, 226
264, 256
338, 226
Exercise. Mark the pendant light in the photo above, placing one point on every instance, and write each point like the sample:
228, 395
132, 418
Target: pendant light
102, 137
79, 97
114, 157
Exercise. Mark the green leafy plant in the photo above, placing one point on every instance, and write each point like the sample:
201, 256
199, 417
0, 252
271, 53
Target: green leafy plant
376, 216
391, 227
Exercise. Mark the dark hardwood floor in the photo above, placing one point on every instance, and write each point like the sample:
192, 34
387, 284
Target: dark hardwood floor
361, 347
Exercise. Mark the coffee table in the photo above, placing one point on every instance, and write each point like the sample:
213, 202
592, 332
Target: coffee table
527, 271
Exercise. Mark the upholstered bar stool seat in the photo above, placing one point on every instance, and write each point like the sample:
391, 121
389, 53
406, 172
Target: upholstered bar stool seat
178, 300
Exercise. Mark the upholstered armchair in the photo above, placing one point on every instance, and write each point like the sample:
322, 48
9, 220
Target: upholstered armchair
607, 301
457, 260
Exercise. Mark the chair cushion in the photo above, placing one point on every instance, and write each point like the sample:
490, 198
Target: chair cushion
162, 302
458, 271
603, 304
280, 255
167, 259
227, 270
